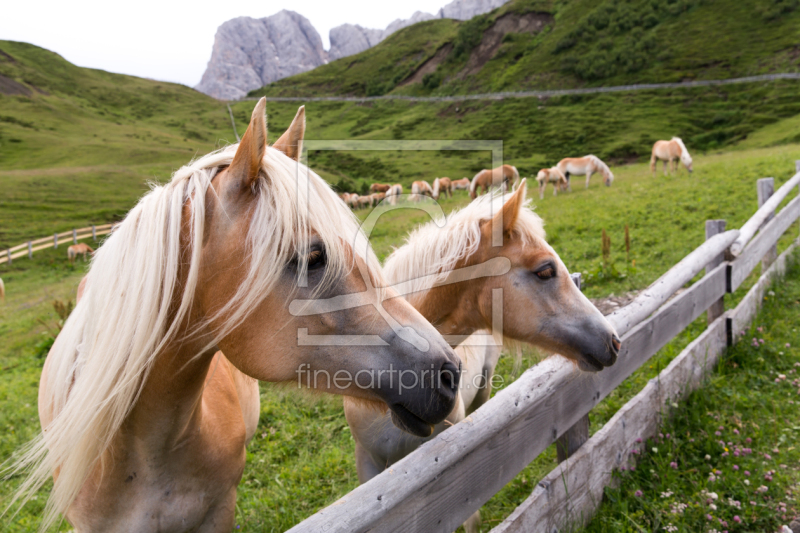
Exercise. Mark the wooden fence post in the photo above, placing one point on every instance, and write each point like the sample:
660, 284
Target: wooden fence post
8, 254
94, 233
30, 250
714, 227
74, 236
55, 240
578, 434
766, 187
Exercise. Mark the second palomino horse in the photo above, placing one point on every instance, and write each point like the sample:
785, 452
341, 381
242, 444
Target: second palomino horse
379, 187
670, 151
442, 185
144, 421
540, 305
552, 175
505, 176
587, 166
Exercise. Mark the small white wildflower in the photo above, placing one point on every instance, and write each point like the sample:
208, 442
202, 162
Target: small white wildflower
708, 457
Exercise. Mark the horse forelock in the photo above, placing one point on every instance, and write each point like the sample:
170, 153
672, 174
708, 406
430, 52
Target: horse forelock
127, 315
431, 252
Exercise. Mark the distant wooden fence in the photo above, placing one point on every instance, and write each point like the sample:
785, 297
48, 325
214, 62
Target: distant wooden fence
437, 487
27, 248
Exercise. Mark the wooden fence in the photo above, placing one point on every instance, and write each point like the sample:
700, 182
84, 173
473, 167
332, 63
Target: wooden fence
27, 248
437, 487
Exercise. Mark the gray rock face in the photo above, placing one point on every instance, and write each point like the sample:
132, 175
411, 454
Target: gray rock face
249, 53
466, 9
399, 24
349, 39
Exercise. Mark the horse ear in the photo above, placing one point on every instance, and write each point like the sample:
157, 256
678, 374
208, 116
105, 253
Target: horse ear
247, 161
511, 208
291, 142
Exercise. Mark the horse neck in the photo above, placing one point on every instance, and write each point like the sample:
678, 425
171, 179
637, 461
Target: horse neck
453, 308
169, 406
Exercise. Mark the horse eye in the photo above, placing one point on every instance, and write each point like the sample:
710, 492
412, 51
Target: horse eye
546, 273
317, 259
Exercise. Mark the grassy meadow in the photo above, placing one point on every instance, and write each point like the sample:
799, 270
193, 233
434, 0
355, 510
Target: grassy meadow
302, 457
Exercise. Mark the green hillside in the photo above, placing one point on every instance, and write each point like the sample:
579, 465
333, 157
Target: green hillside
545, 44
77, 145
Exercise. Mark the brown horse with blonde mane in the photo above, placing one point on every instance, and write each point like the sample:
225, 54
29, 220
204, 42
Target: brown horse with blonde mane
420, 189
460, 185
556, 177
670, 152
442, 185
505, 176
144, 420
538, 304
78, 249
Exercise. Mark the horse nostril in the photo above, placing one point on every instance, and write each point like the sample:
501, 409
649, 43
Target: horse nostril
616, 344
449, 376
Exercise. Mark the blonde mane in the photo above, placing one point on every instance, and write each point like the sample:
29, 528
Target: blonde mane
431, 252
100, 361
686, 159
604, 170
474, 183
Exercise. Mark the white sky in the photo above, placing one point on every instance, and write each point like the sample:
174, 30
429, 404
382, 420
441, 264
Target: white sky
169, 40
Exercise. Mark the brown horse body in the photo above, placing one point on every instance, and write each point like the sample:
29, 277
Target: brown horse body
78, 249
505, 176
552, 175
420, 189
442, 185
670, 152
154, 440
379, 187
460, 185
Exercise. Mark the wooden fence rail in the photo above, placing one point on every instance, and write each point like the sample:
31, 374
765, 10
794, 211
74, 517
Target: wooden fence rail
441, 484
78, 234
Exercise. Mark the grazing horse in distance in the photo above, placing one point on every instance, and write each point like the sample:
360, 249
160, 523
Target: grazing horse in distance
556, 177
394, 193
2, 290
540, 306
442, 185
670, 151
78, 249
420, 188
587, 166
505, 176
144, 420
379, 187
460, 185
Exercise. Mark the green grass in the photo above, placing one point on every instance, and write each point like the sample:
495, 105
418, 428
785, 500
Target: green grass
302, 457
585, 43
79, 148
750, 403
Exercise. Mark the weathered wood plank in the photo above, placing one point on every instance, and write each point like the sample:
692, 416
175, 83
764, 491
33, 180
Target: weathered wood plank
715, 227
571, 493
441, 484
757, 220
766, 188
746, 262
664, 287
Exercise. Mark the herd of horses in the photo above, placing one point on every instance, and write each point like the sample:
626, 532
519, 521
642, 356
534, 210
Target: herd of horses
506, 177
149, 395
